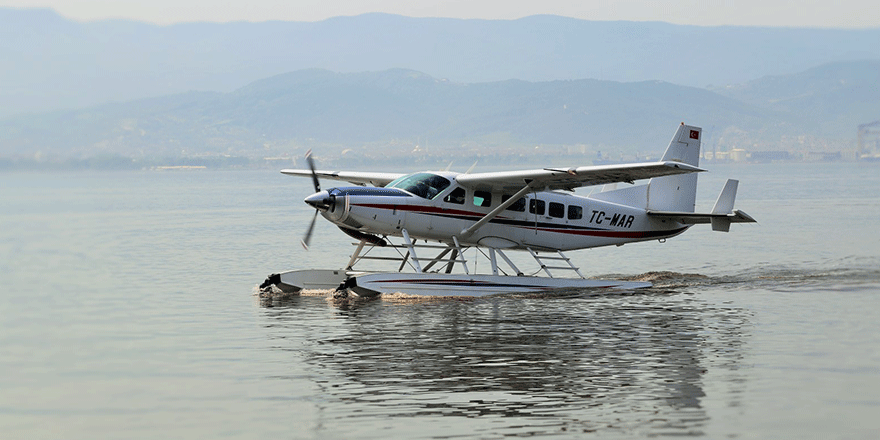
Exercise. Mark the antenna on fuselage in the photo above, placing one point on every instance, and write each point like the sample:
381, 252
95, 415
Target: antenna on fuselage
472, 167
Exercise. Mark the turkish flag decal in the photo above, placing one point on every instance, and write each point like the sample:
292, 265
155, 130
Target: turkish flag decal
695, 134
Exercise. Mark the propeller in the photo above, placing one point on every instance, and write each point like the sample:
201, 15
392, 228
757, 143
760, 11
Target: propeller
312, 169
308, 237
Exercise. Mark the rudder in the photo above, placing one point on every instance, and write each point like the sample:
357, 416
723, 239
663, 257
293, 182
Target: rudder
678, 193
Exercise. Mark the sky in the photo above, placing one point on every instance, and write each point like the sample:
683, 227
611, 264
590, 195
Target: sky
776, 13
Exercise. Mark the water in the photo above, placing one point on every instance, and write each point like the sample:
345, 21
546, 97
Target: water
127, 310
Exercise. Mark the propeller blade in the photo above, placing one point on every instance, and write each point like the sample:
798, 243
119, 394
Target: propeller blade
312, 168
308, 237
305, 241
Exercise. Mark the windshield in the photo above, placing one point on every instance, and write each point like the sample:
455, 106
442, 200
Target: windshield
425, 185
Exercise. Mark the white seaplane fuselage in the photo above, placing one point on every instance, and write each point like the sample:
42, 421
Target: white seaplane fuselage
549, 220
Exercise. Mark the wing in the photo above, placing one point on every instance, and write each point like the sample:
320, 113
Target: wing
560, 178
355, 177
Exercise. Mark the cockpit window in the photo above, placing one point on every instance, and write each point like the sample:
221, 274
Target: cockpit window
425, 185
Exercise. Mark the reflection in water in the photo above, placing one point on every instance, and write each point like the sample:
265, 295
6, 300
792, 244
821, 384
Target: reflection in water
579, 363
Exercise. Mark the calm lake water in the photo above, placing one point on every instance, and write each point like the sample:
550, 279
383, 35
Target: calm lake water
128, 310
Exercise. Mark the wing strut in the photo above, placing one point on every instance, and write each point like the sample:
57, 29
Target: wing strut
494, 213
412, 251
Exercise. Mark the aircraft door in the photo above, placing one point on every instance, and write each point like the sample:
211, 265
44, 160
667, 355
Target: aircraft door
537, 208
390, 218
398, 218
540, 216
534, 219
450, 205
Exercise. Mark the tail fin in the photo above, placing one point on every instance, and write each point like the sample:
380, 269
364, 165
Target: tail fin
724, 205
679, 192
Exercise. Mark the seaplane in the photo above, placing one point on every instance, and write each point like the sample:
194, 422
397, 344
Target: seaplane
431, 219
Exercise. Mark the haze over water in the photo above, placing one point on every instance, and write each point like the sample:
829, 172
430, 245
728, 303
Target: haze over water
128, 311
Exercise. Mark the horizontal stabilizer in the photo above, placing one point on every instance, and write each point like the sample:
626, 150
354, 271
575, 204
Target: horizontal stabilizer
722, 214
720, 222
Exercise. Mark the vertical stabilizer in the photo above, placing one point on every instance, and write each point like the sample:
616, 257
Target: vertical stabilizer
724, 205
678, 193
685, 145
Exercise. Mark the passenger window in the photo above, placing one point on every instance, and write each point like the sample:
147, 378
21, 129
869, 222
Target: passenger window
482, 198
575, 212
518, 206
557, 210
536, 206
456, 196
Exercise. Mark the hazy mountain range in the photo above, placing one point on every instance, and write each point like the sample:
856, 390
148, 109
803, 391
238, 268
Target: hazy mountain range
651, 77
337, 111
53, 63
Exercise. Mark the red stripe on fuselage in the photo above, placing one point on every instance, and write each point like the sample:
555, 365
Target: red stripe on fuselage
616, 234
420, 209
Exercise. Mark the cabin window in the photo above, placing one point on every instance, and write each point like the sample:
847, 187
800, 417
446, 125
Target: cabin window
456, 196
557, 210
575, 212
482, 198
425, 185
536, 206
518, 206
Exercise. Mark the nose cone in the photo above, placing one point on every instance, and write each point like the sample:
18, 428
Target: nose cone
321, 200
